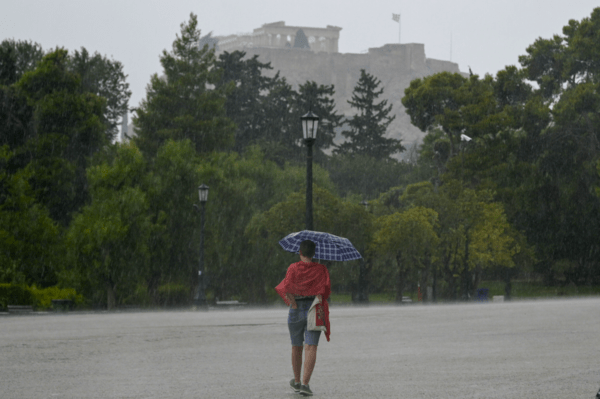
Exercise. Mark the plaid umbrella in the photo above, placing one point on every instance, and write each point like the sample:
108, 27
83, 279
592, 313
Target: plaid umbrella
328, 246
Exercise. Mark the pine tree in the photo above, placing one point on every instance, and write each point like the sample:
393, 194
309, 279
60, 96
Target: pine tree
301, 41
183, 103
369, 126
319, 99
245, 104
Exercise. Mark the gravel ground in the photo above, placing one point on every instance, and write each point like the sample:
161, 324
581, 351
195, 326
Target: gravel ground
535, 349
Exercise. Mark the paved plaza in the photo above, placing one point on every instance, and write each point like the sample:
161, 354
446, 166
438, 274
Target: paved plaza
525, 350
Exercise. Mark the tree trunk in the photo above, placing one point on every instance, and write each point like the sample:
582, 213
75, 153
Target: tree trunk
452, 285
262, 293
507, 284
110, 294
476, 281
152, 287
425, 278
362, 286
401, 279
434, 285
466, 272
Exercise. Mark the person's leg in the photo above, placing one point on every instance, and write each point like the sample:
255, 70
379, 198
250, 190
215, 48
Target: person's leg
310, 358
297, 362
296, 325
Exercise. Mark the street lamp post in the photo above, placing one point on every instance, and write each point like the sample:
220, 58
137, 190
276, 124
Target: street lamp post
310, 123
203, 196
467, 276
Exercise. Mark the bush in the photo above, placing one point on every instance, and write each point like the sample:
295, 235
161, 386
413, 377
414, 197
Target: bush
43, 297
174, 295
15, 295
139, 297
272, 295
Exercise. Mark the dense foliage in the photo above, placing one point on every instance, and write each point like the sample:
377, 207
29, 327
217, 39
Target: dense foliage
505, 182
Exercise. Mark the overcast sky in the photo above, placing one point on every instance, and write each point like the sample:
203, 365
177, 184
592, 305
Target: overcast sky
486, 35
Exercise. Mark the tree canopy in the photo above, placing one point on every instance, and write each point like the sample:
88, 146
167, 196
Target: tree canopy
180, 104
505, 183
369, 126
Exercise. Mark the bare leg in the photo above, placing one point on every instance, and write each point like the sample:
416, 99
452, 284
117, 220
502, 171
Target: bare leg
310, 358
297, 362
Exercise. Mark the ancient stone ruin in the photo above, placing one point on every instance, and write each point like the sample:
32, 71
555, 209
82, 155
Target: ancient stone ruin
394, 64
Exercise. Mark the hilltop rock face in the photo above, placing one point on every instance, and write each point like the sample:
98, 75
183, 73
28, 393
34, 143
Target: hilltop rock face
396, 65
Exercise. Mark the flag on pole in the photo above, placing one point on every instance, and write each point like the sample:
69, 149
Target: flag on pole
396, 17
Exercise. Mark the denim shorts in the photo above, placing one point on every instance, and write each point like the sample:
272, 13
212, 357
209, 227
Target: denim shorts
297, 324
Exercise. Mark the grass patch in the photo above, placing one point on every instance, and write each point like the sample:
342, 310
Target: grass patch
532, 289
383, 297
520, 290
340, 298
378, 297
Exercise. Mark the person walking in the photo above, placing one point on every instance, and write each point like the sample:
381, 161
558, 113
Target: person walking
304, 281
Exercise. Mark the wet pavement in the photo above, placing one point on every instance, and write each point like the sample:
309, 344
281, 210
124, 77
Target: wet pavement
536, 349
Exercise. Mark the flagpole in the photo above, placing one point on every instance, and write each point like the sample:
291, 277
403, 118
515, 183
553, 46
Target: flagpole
450, 45
396, 17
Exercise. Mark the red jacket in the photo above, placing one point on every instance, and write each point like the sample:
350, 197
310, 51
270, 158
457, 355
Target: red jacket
307, 279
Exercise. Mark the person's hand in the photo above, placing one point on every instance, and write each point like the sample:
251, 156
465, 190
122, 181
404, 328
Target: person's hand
292, 300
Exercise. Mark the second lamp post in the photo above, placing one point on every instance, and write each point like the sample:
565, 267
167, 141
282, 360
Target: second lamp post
203, 196
310, 123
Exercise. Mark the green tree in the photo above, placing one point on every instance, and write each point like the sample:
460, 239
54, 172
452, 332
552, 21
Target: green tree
67, 128
30, 243
247, 89
171, 188
281, 137
369, 126
367, 176
181, 104
283, 107
105, 78
16, 118
472, 229
331, 214
99, 75
560, 210
18, 57
410, 238
8, 66
301, 41
318, 99
457, 105
108, 241
235, 266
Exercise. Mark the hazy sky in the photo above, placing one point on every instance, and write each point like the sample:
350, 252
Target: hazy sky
486, 35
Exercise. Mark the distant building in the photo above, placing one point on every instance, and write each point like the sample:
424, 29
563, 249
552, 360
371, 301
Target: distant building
123, 136
396, 65
278, 35
127, 130
208, 40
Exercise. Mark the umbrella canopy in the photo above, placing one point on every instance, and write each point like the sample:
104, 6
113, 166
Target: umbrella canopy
328, 246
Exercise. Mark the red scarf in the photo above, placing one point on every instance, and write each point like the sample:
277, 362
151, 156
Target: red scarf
307, 279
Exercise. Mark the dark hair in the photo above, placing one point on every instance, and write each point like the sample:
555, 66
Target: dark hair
307, 248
